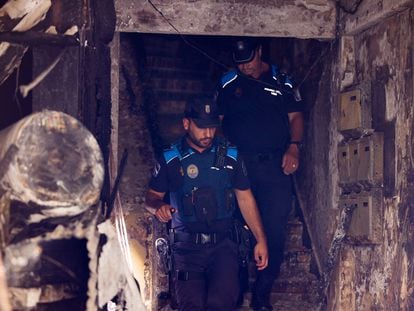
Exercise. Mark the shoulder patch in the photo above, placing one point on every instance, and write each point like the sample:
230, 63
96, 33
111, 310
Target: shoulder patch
228, 78
281, 78
232, 152
171, 153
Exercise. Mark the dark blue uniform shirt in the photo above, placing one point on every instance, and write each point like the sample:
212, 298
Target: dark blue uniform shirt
256, 111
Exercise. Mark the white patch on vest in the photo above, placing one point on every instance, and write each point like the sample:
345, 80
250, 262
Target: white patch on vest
192, 171
156, 169
274, 92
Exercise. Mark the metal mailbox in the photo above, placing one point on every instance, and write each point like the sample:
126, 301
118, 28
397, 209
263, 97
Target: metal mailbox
354, 111
360, 161
370, 159
365, 225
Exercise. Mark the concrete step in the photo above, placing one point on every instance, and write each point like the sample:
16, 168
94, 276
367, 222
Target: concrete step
304, 284
301, 283
176, 84
166, 107
186, 86
285, 302
294, 234
164, 62
296, 261
161, 95
176, 72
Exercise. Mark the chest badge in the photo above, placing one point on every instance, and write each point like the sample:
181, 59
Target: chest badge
192, 171
238, 92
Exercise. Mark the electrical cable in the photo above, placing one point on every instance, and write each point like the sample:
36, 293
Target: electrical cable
329, 47
188, 42
228, 67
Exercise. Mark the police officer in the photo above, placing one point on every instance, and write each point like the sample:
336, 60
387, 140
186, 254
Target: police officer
204, 176
264, 120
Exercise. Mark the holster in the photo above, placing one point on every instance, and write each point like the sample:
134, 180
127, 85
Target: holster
242, 236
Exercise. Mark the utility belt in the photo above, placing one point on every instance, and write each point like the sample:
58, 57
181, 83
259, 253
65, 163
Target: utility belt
238, 234
199, 238
263, 156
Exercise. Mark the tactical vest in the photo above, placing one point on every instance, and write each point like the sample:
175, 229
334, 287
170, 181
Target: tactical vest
205, 194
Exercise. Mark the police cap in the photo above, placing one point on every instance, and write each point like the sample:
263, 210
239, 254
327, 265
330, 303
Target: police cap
244, 49
203, 111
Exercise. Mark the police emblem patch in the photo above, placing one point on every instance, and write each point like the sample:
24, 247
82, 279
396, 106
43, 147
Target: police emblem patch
192, 171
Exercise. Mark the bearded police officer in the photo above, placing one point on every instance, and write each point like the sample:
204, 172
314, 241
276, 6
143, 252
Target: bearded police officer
204, 176
263, 118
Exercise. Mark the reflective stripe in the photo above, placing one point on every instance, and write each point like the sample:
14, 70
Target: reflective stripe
289, 84
232, 153
228, 78
224, 85
171, 154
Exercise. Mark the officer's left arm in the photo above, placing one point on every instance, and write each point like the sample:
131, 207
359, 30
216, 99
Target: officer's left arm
290, 161
251, 215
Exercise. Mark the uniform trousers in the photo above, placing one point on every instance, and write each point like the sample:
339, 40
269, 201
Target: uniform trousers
273, 193
212, 279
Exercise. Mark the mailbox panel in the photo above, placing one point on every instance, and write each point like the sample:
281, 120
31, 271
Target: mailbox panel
366, 225
350, 110
361, 161
370, 166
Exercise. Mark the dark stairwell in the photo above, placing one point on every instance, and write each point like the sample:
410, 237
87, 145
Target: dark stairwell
170, 72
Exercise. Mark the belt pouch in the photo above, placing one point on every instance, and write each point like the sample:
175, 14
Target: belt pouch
187, 205
205, 204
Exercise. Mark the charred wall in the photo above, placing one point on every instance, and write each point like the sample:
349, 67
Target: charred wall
384, 58
377, 275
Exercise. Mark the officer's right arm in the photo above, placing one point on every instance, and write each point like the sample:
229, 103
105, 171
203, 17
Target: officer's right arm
155, 205
251, 215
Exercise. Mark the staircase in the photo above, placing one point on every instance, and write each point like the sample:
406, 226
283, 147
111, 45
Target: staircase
174, 73
296, 288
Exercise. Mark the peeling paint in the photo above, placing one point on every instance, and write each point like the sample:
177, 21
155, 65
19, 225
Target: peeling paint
383, 59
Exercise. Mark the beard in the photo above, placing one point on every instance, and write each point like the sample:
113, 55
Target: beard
204, 142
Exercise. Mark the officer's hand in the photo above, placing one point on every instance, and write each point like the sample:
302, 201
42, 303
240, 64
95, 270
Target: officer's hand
290, 162
261, 255
164, 213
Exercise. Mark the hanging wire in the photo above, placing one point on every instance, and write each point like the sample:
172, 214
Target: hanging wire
316, 62
188, 42
323, 53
